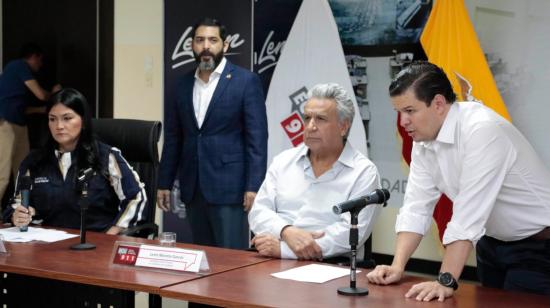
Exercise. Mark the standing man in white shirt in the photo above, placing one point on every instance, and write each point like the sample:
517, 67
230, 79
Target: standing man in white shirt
292, 216
499, 186
215, 138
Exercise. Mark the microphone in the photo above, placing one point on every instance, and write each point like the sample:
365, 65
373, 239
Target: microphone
376, 197
83, 178
85, 175
25, 186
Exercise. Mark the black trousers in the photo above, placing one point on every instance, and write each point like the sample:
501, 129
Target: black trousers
220, 225
520, 265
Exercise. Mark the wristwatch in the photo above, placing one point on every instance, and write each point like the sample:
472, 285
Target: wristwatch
447, 280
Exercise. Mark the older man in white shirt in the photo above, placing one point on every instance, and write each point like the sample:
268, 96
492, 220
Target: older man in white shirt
292, 215
499, 186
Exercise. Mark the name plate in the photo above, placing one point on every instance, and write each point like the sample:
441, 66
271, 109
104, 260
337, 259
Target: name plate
179, 259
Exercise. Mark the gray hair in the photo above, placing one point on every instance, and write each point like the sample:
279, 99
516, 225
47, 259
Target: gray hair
334, 91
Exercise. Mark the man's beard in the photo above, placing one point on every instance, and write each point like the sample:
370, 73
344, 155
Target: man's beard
211, 63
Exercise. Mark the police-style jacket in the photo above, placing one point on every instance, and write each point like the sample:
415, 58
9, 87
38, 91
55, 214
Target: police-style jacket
117, 199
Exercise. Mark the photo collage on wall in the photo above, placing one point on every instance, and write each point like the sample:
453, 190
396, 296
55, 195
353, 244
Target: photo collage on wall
379, 39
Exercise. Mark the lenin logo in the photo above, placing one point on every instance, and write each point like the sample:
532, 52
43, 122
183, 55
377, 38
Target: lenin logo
293, 125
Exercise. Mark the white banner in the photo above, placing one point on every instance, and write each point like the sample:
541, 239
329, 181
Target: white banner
312, 54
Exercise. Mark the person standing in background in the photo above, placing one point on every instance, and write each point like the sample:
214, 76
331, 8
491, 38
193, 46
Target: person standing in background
18, 89
215, 138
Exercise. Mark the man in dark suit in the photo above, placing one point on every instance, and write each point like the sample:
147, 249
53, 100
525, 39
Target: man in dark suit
215, 137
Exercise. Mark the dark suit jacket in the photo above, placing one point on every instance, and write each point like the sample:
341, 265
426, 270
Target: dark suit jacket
228, 154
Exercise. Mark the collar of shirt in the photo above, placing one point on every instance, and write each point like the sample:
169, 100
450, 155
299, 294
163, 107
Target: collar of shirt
65, 161
215, 74
344, 160
448, 129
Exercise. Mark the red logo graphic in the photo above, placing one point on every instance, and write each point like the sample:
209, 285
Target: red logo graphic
294, 128
126, 255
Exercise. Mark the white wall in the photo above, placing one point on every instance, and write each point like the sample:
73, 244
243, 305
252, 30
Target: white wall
138, 59
515, 36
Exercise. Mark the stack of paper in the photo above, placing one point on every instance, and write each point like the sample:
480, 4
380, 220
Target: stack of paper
34, 234
313, 273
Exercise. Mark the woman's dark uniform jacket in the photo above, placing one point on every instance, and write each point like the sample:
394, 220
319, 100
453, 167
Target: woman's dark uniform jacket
113, 200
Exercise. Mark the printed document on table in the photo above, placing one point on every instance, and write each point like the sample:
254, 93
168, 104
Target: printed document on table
317, 273
34, 234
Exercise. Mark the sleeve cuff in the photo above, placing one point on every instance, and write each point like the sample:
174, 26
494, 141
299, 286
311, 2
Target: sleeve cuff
165, 185
455, 232
410, 222
286, 252
278, 228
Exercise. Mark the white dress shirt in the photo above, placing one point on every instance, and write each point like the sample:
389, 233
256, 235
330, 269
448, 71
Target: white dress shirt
292, 195
65, 162
203, 91
498, 184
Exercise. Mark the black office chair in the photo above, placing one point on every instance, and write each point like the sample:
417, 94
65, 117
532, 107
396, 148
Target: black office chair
137, 140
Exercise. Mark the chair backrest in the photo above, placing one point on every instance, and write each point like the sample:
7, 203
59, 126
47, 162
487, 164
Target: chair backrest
138, 142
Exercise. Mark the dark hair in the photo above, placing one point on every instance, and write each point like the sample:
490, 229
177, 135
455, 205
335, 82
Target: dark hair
86, 151
210, 22
426, 80
29, 49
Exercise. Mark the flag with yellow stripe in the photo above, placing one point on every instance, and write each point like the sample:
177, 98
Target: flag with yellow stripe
449, 40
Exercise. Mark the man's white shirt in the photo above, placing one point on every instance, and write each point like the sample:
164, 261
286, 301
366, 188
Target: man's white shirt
292, 195
203, 91
498, 184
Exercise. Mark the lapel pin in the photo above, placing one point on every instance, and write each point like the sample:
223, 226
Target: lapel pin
228, 76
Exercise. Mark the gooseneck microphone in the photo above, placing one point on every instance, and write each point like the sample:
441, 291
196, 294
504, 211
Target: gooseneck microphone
376, 197
354, 207
83, 178
25, 186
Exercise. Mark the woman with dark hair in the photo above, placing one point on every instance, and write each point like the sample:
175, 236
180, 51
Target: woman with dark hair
116, 195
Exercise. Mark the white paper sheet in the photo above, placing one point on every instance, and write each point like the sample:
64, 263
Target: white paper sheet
317, 273
34, 234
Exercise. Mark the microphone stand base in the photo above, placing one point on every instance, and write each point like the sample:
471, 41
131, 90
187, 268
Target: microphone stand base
83, 246
349, 291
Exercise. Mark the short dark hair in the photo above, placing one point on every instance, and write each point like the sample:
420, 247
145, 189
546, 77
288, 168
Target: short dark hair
426, 80
210, 22
29, 49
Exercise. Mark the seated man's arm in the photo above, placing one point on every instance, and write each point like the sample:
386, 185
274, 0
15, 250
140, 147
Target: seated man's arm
263, 217
336, 239
300, 244
294, 243
271, 229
